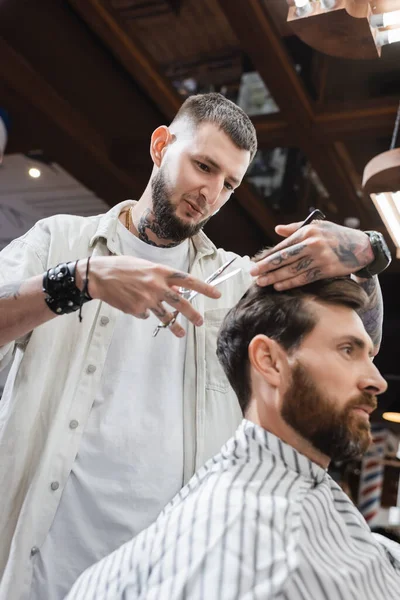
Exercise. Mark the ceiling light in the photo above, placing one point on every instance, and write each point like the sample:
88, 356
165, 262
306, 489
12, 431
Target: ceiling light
394, 417
388, 36
35, 173
381, 180
385, 19
303, 7
328, 4
346, 28
390, 215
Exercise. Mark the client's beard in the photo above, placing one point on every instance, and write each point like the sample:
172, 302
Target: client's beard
337, 433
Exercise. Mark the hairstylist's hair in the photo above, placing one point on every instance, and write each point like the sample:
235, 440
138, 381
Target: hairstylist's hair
232, 120
286, 317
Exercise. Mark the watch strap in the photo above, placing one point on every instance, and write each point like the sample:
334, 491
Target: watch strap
382, 256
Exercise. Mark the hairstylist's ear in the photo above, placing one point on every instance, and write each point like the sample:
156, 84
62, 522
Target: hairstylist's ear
160, 140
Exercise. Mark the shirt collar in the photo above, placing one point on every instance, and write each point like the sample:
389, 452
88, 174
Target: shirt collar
250, 433
107, 228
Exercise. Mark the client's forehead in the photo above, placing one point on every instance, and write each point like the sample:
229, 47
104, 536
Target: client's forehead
335, 322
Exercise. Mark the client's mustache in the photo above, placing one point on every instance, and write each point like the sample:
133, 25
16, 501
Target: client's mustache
364, 399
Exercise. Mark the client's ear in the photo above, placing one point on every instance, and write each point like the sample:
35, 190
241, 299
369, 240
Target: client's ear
267, 358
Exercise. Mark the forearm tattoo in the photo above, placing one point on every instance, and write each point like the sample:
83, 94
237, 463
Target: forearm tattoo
10, 290
147, 222
372, 316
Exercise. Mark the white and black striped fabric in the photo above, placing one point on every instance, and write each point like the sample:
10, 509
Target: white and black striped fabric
258, 521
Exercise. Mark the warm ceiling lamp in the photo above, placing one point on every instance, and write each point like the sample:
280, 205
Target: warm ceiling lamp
381, 180
346, 28
391, 416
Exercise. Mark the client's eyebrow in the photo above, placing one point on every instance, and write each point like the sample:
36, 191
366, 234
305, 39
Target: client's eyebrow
360, 343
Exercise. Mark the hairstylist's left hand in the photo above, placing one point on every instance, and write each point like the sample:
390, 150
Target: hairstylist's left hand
316, 251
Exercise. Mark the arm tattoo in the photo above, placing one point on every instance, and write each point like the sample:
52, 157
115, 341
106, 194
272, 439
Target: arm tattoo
146, 222
11, 290
372, 315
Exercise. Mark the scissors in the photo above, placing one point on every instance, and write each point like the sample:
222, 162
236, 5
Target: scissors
214, 279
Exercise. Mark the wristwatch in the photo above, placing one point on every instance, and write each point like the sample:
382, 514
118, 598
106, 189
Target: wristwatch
382, 256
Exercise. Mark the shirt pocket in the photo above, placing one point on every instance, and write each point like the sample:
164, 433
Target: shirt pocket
215, 377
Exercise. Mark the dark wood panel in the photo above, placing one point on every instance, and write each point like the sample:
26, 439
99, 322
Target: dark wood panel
260, 39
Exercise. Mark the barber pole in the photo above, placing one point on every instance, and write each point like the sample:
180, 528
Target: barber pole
371, 478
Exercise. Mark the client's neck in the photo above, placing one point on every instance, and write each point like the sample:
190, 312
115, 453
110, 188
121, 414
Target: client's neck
272, 421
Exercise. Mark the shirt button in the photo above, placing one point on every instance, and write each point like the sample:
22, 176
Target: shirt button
34, 550
73, 424
104, 321
55, 485
90, 369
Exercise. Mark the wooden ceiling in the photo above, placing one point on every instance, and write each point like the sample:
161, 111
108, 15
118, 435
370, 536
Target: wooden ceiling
87, 81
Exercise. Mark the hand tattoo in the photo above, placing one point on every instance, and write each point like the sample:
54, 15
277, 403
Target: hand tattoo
11, 290
159, 311
287, 253
292, 251
349, 253
172, 297
178, 275
143, 315
302, 265
147, 221
313, 275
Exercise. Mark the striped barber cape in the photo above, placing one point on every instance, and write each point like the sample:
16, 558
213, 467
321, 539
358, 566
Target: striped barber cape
258, 521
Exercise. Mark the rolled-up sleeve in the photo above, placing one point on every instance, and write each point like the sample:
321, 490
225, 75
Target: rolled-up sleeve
25, 257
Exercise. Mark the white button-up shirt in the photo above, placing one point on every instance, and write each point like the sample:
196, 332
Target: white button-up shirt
56, 372
259, 521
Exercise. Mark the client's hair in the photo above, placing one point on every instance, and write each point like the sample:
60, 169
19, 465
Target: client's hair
286, 317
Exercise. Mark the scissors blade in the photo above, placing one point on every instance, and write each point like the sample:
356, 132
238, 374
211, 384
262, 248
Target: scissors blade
214, 283
218, 272
223, 278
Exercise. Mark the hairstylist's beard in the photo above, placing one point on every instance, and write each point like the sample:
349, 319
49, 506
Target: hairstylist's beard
166, 225
338, 433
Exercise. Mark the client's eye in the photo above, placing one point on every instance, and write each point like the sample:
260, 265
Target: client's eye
348, 350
